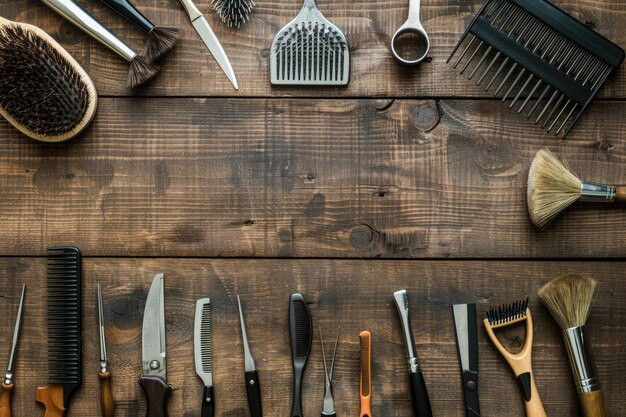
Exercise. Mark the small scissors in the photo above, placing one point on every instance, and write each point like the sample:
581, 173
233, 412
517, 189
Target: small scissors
329, 403
414, 27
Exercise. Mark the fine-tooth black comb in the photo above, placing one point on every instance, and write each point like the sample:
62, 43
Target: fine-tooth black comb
534, 52
301, 332
64, 330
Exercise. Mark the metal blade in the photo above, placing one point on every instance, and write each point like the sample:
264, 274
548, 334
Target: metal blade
211, 42
249, 360
103, 348
16, 335
153, 336
202, 341
462, 333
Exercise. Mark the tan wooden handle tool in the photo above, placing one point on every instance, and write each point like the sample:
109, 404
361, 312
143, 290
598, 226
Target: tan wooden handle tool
106, 395
592, 403
5, 399
620, 195
51, 397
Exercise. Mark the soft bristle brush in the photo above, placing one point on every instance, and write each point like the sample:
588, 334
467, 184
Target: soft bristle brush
234, 12
161, 40
552, 187
44, 92
570, 298
365, 380
301, 332
64, 330
520, 363
141, 69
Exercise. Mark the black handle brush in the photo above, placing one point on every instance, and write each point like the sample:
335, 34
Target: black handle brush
161, 40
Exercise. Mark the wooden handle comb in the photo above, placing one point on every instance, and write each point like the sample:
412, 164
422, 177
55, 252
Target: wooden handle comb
106, 395
365, 383
51, 397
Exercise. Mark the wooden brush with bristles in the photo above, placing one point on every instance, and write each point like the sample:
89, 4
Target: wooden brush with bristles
44, 92
569, 299
552, 187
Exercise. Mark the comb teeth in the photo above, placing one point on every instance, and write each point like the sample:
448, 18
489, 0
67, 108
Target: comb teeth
365, 340
205, 339
507, 313
300, 326
64, 316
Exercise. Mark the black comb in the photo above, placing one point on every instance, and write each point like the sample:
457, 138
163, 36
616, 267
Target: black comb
64, 325
541, 60
301, 331
507, 312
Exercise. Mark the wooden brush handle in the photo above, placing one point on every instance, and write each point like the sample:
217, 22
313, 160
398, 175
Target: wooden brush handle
5, 400
51, 397
620, 195
366, 406
106, 395
592, 403
532, 402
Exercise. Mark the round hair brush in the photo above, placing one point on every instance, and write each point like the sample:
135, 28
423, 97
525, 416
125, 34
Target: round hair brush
44, 93
161, 40
552, 187
569, 299
141, 69
234, 12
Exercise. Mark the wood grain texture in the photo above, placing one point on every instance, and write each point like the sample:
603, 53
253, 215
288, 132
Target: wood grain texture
299, 178
368, 25
354, 294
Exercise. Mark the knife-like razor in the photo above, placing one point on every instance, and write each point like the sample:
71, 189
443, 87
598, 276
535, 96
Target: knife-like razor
7, 383
153, 381
467, 342
106, 394
203, 354
252, 378
210, 40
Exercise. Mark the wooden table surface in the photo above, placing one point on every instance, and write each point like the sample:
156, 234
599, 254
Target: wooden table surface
407, 178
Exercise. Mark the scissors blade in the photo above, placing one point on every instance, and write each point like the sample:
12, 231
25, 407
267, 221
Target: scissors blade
16, 333
215, 47
103, 349
153, 335
461, 324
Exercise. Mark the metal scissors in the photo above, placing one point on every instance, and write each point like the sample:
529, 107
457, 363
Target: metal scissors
329, 403
412, 27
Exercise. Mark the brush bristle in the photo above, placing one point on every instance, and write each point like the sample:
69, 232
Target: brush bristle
507, 312
569, 299
161, 41
39, 88
141, 71
234, 12
366, 347
552, 187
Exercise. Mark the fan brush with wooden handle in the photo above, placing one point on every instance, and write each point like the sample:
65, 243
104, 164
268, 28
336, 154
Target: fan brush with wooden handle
552, 187
365, 380
569, 298
521, 362
44, 92
64, 330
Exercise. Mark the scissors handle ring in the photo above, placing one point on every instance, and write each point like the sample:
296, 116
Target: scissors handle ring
416, 30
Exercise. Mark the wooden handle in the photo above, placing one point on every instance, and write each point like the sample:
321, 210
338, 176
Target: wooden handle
620, 195
157, 393
51, 397
106, 395
5, 400
366, 410
592, 404
532, 402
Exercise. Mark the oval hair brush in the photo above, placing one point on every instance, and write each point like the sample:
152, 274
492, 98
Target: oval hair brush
44, 92
233, 12
141, 69
521, 362
552, 187
569, 299
161, 40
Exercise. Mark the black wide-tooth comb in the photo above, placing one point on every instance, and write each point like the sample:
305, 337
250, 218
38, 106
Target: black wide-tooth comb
64, 330
533, 51
301, 331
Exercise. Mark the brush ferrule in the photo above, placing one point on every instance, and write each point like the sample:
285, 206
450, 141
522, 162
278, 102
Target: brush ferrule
414, 365
597, 193
581, 360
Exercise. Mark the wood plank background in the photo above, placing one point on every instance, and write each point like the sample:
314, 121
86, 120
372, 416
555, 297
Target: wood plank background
232, 192
353, 294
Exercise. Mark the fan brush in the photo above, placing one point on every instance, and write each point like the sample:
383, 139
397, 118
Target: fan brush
161, 40
44, 92
569, 299
234, 12
64, 330
552, 187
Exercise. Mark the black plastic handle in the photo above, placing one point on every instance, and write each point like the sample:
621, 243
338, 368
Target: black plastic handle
157, 393
208, 402
254, 394
298, 373
419, 395
130, 13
